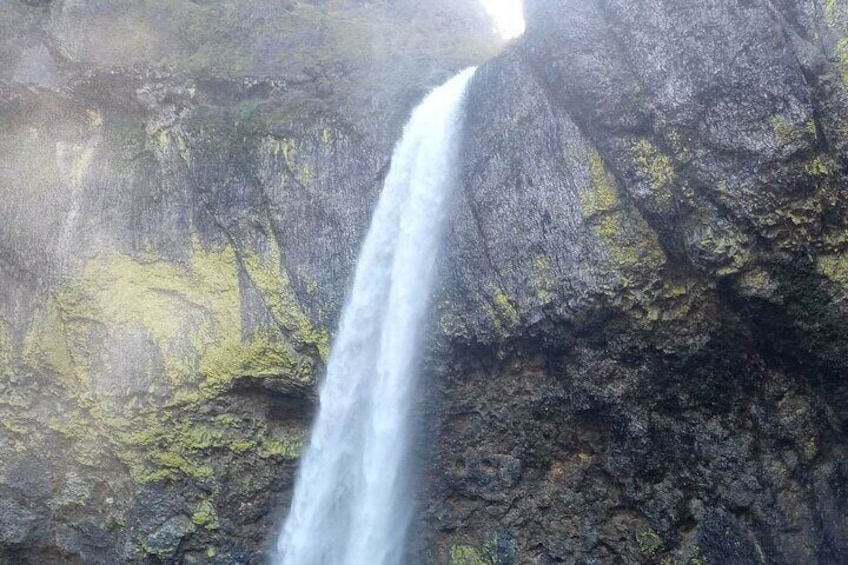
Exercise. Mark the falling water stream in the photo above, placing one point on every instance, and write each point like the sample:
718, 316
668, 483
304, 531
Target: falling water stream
352, 503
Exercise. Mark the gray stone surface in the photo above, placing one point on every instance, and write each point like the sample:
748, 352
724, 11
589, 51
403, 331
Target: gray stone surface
183, 189
639, 343
643, 323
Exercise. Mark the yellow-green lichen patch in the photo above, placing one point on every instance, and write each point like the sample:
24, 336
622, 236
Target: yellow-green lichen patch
87, 447
676, 141
184, 309
756, 282
171, 462
154, 447
505, 309
269, 277
18, 435
260, 357
782, 129
160, 138
655, 167
451, 324
812, 129
601, 195
649, 542
95, 117
836, 17
468, 555
6, 352
842, 59
13, 426
674, 300
811, 449
835, 238
819, 166
725, 247
159, 445
796, 222
835, 268
830, 13
760, 554
191, 314
242, 445
286, 448
46, 345
633, 246
302, 172
543, 278
205, 515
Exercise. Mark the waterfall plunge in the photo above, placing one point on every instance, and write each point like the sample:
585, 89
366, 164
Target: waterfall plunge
352, 505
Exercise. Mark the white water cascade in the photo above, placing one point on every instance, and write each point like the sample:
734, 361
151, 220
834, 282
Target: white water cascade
352, 504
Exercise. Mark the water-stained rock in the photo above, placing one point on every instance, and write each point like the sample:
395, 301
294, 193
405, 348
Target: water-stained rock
642, 298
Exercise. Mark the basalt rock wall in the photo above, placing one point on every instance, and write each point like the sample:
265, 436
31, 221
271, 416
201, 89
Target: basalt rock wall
183, 190
639, 338
644, 296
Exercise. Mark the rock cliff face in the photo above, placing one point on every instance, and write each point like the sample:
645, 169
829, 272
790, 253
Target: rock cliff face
639, 341
644, 299
184, 189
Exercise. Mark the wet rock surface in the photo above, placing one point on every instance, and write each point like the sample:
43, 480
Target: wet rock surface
643, 313
184, 187
639, 337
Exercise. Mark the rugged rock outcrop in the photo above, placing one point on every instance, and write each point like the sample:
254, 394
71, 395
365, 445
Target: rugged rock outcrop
183, 189
639, 340
645, 292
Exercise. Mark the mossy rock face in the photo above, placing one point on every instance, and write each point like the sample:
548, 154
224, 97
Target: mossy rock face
185, 186
663, 215
467, 555
157, 383
642, 303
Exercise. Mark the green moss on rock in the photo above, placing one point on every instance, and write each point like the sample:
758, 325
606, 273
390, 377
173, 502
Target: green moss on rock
259, 357
782, 129
287, 448
6, 352
468, 555
649, 542
158, 446
756, 282
46, 345
205, 516
831, 13
655, 167
819, 166
842, 59
543, 279
835, 268
267, 274
450, 323
191, 314
601, 195
506, 309
633, 247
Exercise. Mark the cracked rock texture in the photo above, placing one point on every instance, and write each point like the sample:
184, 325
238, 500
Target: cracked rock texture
183, 188
643, 320
639, 339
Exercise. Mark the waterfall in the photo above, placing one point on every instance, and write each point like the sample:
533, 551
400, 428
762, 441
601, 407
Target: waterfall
352, 504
